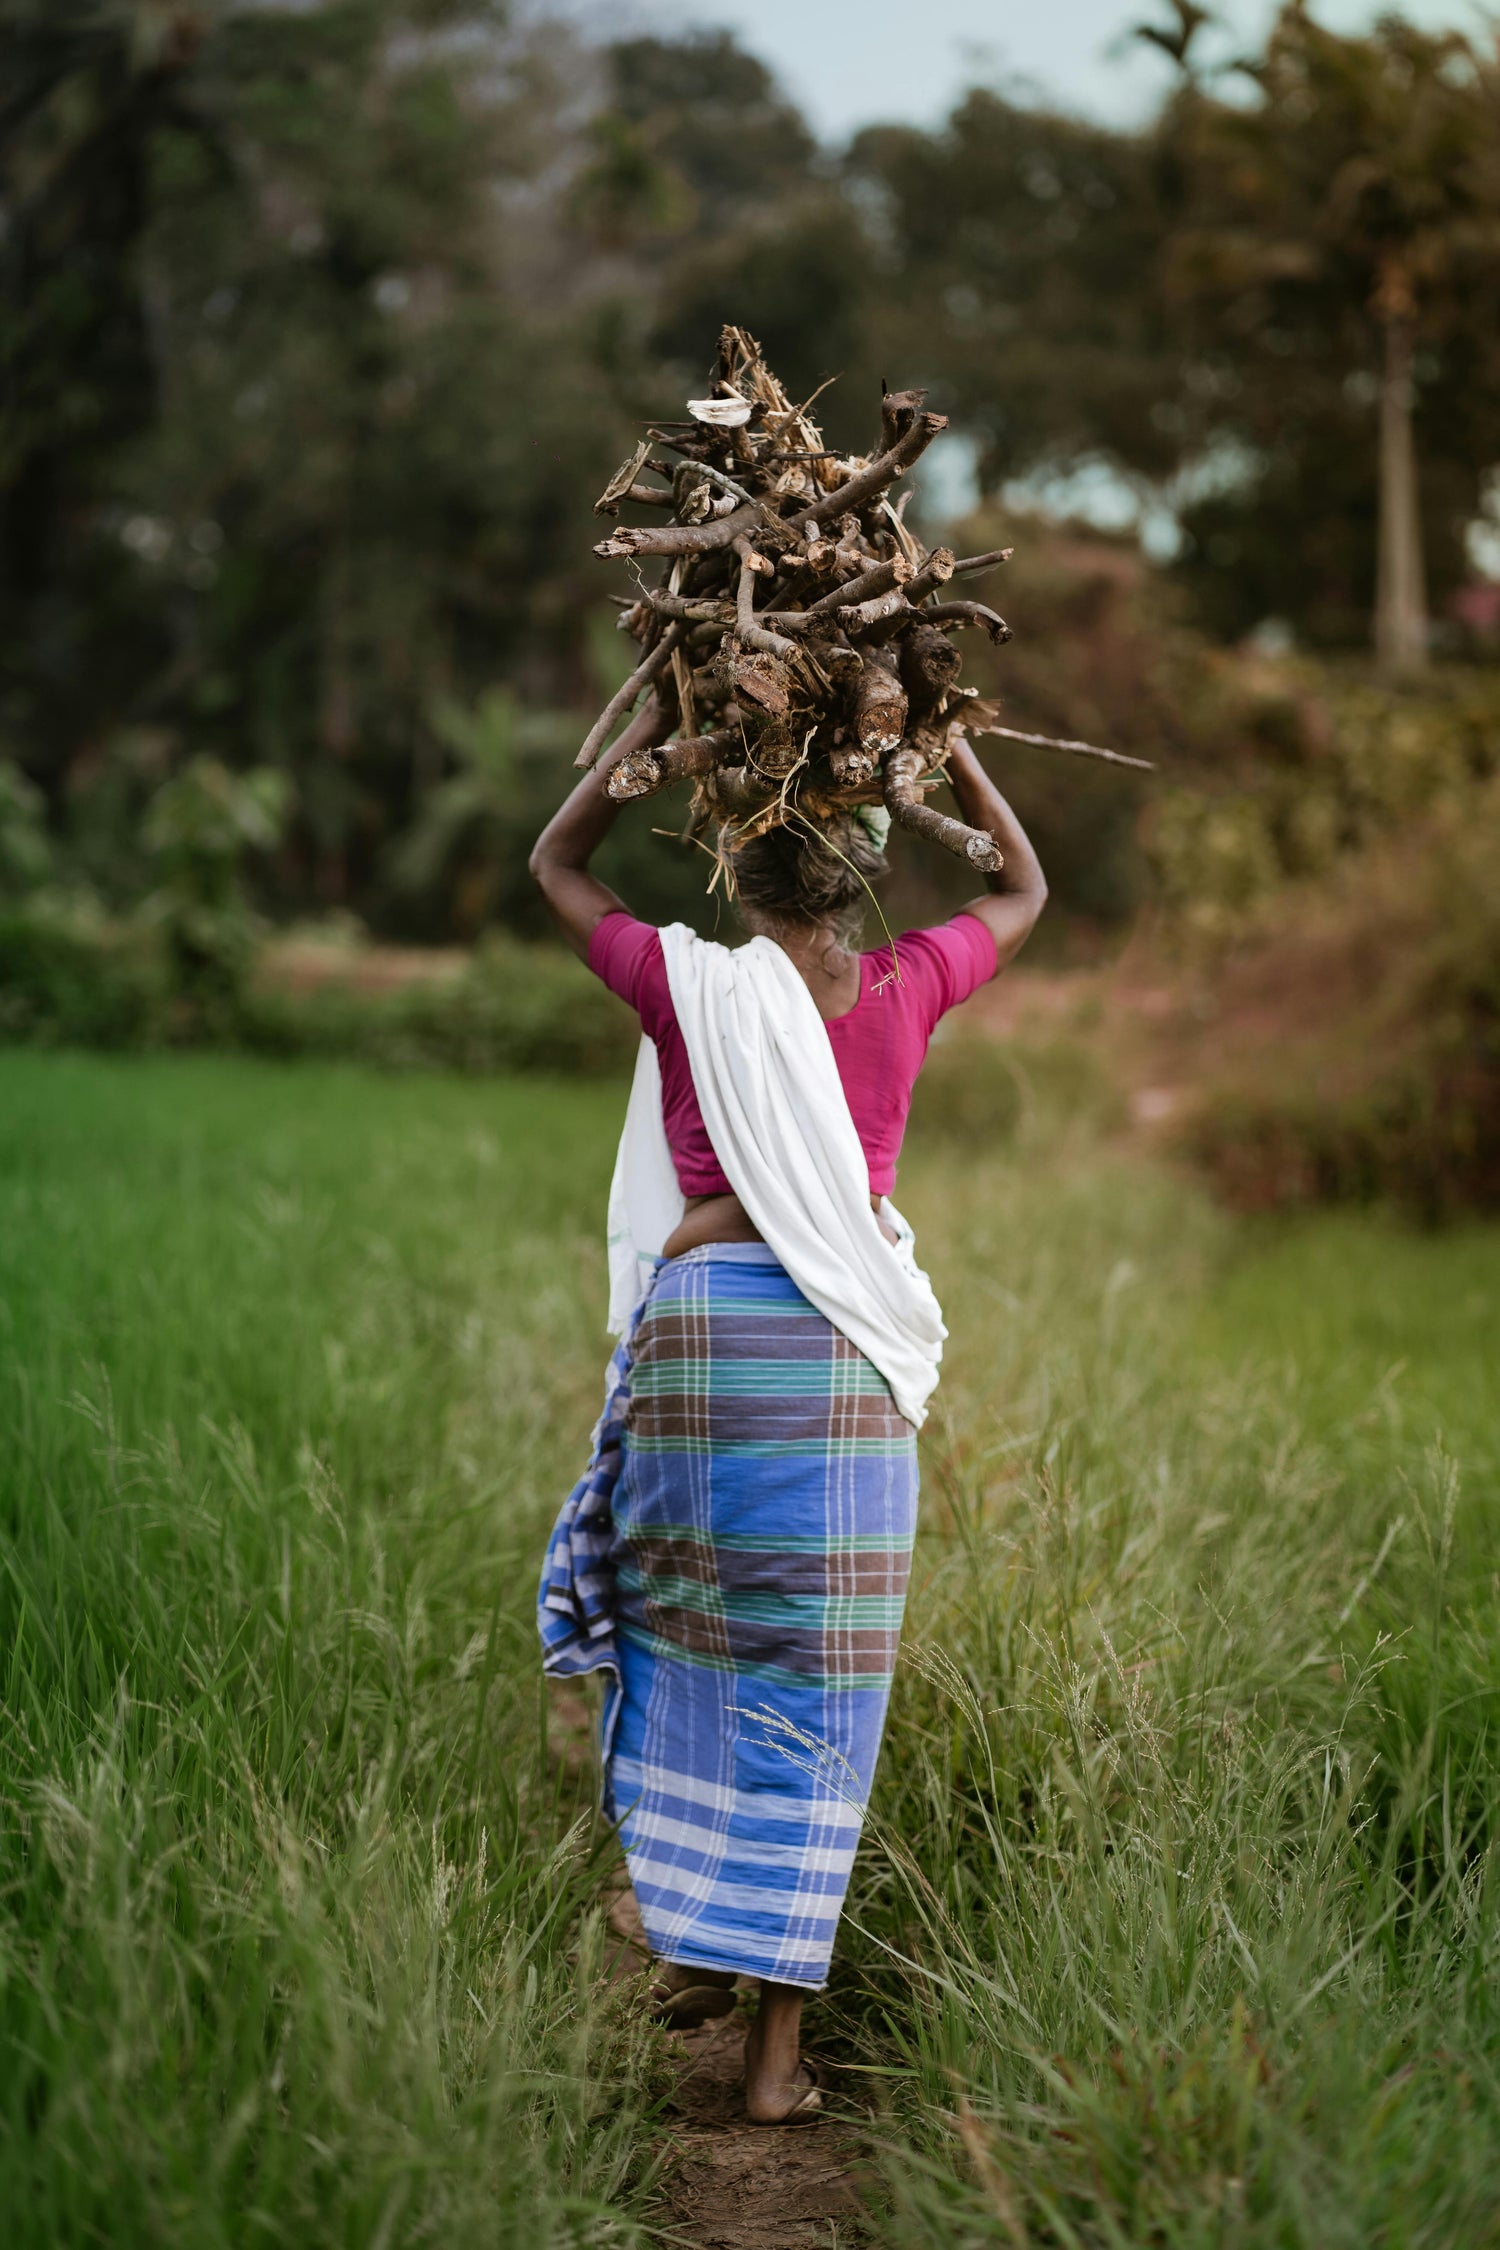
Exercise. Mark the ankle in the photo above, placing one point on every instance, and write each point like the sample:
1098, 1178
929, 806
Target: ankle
678, 1976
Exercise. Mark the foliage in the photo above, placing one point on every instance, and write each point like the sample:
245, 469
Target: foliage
1191, 303
1357, 186
1356, 1030
64, 984
198, 833
1175, 1925
343, 471
69, 981
300, 1922
1014, 248
515, 1007
464, 856
1174, 1922
25, 853
1340, 765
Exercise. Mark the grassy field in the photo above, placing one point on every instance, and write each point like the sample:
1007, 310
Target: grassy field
1176, 1922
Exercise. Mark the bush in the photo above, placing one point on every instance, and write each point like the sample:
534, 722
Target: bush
201, 828
1357, 1038
64, 985
977, 1092
1339, 766
515, 1008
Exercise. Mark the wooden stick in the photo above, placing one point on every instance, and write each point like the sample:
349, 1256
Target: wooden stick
877, 476
749, 634
1055, 742
645, 772
969, 613
624, 697
702, 609
648, 726
645, 496
991, 561
880, 578
879, 708
859, 617
741, 792
680, 538
851, 767
936, 571
902, 771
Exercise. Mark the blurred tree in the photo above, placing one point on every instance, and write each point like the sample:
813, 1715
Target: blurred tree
1013, 255
1260, 312
462, 861
25, 853
285, 454
709, 120
715, 180
1338, 256
200, 829
86, 88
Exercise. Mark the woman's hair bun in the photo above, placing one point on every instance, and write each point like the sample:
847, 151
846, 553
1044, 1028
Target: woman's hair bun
801, 873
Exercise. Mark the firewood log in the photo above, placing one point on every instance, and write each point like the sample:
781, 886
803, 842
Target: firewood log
796, 652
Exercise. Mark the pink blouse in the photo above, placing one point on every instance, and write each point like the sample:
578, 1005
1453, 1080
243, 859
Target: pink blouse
878, 1044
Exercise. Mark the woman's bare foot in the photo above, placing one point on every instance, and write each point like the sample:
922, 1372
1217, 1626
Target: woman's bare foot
779, 2086
683, 1995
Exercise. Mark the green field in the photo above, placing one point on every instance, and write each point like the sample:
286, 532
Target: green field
1177, 1921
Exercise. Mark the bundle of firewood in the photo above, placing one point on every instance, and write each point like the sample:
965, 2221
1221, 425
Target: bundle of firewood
797, 657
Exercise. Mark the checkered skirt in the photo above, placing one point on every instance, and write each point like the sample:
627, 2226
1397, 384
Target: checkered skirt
761, 1529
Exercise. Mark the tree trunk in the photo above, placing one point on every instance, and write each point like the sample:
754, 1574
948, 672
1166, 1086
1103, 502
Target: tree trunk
1401, 594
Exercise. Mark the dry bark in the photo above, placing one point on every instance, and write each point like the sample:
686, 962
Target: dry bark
797, 639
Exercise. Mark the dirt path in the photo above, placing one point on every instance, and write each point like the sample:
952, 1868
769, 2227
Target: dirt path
734, 2186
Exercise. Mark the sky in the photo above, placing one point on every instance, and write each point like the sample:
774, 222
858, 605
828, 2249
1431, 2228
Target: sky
848, 62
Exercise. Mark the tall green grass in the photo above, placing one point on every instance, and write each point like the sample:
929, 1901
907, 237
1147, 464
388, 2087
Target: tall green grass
299, 1937
1175, 1923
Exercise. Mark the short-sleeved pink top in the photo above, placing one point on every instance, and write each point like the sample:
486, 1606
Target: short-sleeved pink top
878, 1044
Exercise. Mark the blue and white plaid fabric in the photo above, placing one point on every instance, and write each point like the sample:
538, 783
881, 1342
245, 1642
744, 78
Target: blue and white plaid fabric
576, 1606
738, 1554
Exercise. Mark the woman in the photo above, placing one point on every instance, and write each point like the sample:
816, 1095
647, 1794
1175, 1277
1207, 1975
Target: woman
753, 1489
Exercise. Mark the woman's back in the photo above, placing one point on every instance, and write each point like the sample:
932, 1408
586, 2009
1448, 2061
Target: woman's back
878, 1044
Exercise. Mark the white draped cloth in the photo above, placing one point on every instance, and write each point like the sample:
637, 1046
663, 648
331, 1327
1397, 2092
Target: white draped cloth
775, 1111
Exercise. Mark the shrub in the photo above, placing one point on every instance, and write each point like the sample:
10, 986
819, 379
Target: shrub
1346, 766
977, 1092
202, 826
516, 1007
25, 853
1357, 1036
62, 984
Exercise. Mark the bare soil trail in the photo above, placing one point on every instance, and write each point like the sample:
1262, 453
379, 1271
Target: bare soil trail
733, 2185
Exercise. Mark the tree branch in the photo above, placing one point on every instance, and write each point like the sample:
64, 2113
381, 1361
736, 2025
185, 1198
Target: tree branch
1081, 749
877, 476
969, 613
624, 697
645, 772
902, 770
747, 631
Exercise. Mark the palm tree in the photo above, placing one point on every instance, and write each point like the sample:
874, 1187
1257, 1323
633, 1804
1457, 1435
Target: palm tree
1347, 211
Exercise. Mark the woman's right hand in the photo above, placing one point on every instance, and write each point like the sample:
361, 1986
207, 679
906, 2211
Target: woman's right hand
561, 854
1018, 892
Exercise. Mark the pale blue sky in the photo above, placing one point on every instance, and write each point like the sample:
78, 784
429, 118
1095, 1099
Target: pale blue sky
851, 61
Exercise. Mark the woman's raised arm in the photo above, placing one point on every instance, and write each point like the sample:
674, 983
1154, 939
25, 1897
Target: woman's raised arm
561, 854
1019, 892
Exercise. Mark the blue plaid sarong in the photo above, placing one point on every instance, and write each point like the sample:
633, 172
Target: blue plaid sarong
737, 1555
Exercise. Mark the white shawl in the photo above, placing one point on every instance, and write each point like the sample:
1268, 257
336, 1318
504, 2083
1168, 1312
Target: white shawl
777, 1116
